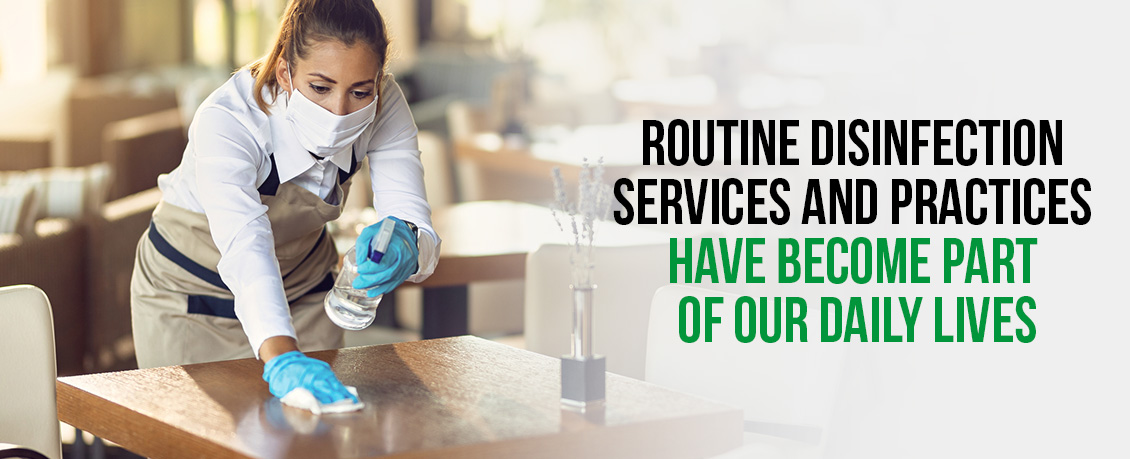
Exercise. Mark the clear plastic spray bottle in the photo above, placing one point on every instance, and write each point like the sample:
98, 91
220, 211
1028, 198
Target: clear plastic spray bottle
351, 308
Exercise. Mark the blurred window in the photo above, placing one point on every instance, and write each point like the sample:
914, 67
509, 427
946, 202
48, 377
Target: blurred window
23, 40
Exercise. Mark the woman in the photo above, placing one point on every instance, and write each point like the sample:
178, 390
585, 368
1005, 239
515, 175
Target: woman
236, 262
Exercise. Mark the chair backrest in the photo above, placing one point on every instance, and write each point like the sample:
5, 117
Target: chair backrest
626, 277
463, 120
438, 176
779, 385
141, 148
95, 102
27, 354
23, 152
54, 261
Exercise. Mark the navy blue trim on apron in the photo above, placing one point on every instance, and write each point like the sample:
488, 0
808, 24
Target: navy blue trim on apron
196, 269
222, 307
210, 305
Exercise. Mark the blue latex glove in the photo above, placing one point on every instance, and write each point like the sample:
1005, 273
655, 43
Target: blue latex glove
398, 263
293, 370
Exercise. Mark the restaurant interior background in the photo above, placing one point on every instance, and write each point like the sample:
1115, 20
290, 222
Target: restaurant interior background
96, 95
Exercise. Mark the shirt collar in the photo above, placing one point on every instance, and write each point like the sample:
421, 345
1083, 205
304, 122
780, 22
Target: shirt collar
290, 157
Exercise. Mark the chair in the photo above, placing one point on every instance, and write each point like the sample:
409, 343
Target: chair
463, 122
25, 151
27, 352
95, 102
113, 234
494, 308
438, 181
54, 261
625, 278
141, 148
787, 390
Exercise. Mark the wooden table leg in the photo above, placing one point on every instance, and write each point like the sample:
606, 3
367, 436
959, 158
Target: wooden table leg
445, 312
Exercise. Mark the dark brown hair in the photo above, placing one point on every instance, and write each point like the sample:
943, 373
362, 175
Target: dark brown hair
310, 21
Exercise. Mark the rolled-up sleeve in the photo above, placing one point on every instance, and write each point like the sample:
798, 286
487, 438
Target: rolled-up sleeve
398, 175
228, 164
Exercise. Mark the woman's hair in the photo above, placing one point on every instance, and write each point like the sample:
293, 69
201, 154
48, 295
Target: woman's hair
307, 22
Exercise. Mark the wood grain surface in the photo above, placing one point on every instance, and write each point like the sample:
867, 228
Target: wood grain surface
463, 396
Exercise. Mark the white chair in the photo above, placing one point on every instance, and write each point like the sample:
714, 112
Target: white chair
27, 353
625, 277
438, 181
463, 122
787, 390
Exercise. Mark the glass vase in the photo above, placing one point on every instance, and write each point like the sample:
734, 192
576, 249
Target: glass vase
582, 372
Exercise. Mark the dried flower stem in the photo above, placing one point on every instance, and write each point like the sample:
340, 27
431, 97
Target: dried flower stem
592, 203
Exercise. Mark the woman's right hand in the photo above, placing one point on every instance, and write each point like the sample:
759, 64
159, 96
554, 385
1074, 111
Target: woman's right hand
293, 369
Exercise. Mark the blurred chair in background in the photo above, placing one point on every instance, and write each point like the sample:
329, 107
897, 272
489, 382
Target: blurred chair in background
463, 122
787, 390
141, 148
28, 150
76, 192
64, 192
27, 353
53, 260
625, 279
438, 174
18, 207
494, 308
52, 250
96, 102
113, 237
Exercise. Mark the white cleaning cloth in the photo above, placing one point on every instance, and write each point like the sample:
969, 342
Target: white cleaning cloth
302, 398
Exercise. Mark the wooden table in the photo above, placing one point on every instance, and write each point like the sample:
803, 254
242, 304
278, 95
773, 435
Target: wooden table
452, 397
488, 241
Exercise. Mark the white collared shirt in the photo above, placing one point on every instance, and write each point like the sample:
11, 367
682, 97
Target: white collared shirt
228, 157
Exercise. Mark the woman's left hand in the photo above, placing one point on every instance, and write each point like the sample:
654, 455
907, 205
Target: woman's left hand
399, 262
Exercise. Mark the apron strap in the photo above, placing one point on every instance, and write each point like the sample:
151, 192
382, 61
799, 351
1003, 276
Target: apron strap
196, 269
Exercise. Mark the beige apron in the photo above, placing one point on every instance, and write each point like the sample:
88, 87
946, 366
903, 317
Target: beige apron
182, 311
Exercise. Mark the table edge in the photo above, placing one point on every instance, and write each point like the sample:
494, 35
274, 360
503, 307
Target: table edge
67, 398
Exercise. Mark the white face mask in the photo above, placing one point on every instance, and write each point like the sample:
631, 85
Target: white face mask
321, 131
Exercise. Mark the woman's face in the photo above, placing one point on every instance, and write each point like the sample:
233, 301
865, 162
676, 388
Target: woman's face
341, 79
